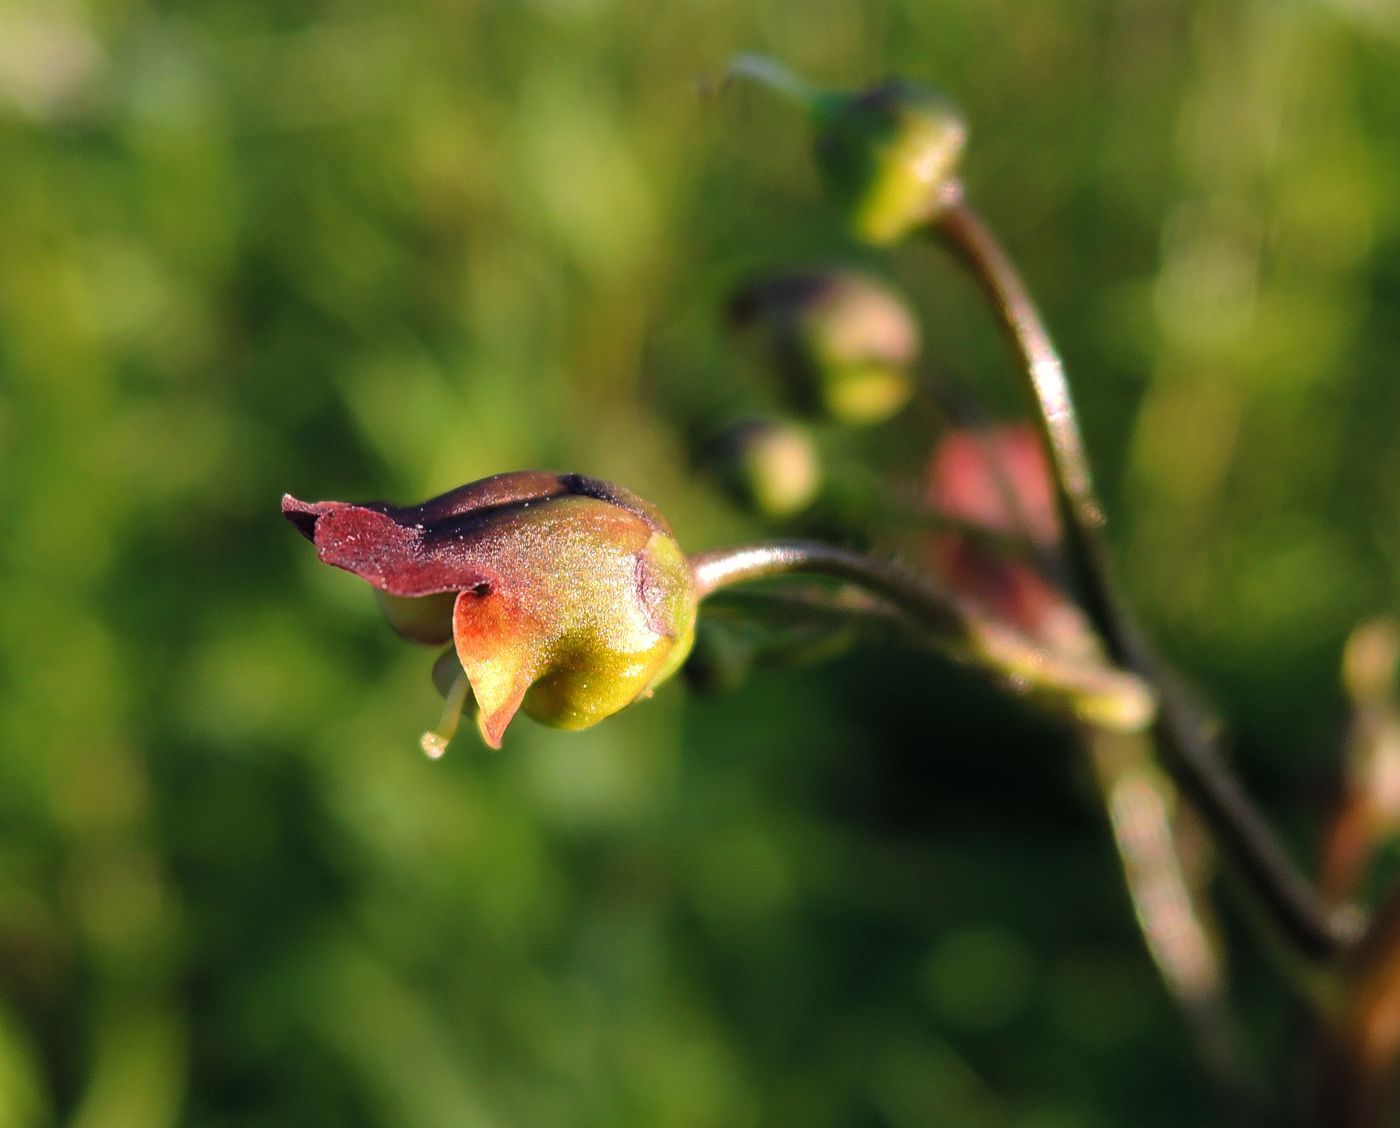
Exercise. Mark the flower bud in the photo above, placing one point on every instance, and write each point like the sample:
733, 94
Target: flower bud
841, 341
888, 155
998, 480
563, 595
770, 469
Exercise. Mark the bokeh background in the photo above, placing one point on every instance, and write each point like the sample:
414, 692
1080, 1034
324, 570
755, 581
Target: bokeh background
356, 249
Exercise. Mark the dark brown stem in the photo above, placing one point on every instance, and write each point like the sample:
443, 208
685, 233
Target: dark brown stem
1182, 732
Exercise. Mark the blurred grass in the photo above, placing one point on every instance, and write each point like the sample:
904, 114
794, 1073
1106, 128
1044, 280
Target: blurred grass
354, 251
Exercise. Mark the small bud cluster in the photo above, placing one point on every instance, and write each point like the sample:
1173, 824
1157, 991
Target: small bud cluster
568, 598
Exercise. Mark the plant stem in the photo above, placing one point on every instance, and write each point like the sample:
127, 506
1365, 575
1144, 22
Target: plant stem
813, 607
1184, 734
1093, 693
1174, 917
1357, 1064
965, 233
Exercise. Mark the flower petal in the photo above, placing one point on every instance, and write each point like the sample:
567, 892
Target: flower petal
499, 646
375, 544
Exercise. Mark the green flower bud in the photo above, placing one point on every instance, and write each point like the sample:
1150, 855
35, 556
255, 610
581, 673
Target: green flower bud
842, 342
888, 156
771, 469
562, 595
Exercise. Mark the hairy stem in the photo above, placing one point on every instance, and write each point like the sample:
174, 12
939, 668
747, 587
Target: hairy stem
1092, 693
1182, 731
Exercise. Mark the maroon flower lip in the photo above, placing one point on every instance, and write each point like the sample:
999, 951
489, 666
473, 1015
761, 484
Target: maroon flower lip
427, 549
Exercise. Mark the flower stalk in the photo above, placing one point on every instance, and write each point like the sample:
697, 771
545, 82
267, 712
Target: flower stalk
1091, 693
1293, 904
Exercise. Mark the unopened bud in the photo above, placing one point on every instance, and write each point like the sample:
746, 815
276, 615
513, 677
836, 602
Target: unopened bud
995, 478
770, 469
888, 156
842, 342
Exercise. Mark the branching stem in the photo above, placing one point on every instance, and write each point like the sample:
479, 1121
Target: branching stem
1183, 733
1092, 693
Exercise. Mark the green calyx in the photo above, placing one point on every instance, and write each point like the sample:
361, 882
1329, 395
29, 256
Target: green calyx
887, 156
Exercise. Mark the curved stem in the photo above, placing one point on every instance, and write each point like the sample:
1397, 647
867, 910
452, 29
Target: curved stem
964, 232
1093, 694
1184, 734
960, 225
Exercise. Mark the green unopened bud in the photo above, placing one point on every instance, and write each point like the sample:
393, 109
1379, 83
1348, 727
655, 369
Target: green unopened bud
888, 156
842, 342
770, 469
564, 596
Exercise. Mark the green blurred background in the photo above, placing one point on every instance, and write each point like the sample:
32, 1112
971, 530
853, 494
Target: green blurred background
356, 249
